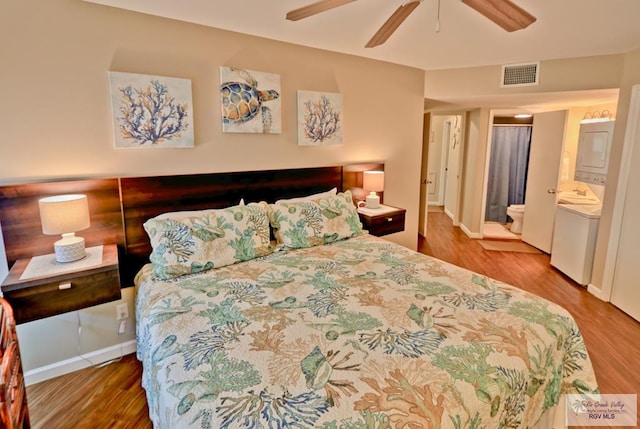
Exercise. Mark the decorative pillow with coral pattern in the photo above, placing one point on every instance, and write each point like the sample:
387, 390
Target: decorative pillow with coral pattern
209, 239
303, 224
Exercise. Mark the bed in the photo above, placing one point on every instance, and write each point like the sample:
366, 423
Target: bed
288, 315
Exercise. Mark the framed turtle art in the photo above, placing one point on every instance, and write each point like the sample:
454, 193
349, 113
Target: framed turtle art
151, 111
250, 101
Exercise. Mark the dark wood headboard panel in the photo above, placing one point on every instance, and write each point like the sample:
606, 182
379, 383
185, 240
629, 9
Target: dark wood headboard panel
119, 206
20, 215
146, 197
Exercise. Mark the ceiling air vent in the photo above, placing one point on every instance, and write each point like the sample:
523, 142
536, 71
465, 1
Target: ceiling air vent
526, 74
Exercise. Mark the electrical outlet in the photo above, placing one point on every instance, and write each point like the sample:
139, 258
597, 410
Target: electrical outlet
123, 326
122, 311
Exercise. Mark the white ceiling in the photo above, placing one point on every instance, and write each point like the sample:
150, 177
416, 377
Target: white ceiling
564, 28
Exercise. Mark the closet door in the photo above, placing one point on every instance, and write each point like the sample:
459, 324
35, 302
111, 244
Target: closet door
625, 291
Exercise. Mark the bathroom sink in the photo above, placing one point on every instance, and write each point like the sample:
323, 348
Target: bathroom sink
575, 198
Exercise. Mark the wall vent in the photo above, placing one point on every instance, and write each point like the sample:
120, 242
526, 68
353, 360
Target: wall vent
526, 74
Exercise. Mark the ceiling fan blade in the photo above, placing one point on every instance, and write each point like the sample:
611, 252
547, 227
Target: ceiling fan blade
505, 13
392, 23
315, 8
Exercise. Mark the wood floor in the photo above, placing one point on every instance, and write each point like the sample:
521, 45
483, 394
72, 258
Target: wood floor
111, 397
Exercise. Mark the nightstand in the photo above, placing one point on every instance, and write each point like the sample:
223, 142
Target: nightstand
39, 287
382, 221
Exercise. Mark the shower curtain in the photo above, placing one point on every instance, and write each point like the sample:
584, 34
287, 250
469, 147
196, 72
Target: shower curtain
508, 166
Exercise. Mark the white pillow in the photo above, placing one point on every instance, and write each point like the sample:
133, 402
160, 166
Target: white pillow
329, 193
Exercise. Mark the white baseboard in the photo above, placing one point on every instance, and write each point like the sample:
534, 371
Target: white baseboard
469, 233
451, 216
596, 291
66, 366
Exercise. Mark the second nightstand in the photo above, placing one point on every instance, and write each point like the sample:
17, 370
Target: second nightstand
68, 287
382, 221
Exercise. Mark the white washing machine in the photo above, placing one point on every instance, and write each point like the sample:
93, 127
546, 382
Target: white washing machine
574, 240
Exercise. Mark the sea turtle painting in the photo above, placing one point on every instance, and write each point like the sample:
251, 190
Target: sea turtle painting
246, 106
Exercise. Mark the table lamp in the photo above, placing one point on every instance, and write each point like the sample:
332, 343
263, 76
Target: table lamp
373, 181
65, 214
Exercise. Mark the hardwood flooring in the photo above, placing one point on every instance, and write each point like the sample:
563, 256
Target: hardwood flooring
93, 398
111, 396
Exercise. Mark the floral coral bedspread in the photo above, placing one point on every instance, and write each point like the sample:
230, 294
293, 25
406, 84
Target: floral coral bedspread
362, 333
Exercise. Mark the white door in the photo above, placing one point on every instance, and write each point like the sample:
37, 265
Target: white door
625, 291
452, 172
424, 176
542, 178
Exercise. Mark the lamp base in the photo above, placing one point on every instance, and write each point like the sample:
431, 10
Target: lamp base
373, 201
69, 248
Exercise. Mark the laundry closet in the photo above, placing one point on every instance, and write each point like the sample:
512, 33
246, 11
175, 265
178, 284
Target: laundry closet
578, 212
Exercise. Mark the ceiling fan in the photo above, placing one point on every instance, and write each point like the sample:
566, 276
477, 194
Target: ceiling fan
505, 13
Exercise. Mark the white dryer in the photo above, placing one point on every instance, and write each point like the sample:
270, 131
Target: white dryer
574, 240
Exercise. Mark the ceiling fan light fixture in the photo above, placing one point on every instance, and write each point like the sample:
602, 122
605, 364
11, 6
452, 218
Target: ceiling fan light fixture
504, 13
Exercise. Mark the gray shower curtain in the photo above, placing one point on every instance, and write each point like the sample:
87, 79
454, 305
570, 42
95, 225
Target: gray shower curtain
508, 164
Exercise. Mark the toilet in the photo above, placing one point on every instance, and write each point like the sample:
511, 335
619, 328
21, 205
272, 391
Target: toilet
516, 212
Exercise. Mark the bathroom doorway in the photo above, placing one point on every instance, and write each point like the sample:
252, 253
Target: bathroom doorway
507, 175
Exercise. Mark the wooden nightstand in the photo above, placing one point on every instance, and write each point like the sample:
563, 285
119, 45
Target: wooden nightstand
382, 221
55, 288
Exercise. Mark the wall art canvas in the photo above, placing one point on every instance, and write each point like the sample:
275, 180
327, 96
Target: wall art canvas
319, 118
151, 111
250, 101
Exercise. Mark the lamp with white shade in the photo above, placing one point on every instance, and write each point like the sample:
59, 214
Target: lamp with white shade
65, 214
373, 181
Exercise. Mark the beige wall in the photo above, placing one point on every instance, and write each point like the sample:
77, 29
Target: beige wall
475, 151
572, 74
55, 113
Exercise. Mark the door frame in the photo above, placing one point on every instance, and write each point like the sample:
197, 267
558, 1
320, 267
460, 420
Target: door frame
444, 160
485, 180
487, 164
424, 174
456, 132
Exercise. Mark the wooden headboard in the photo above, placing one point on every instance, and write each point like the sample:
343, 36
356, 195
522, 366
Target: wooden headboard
146, 197
120, 206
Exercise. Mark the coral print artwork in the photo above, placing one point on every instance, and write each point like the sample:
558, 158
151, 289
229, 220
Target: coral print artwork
151, 111
319, 118
250, 101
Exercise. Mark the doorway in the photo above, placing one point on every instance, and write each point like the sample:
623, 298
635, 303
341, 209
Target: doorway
546, 148
443, 165
507, 176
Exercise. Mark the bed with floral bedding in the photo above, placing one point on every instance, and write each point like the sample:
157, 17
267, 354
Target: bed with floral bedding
334, 328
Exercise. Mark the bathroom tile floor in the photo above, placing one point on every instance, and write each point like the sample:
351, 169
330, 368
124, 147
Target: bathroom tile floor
498, 231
